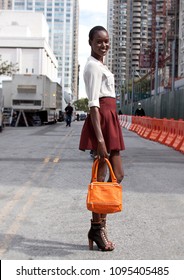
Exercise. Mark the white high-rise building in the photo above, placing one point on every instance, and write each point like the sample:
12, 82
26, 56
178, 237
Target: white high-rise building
63, 18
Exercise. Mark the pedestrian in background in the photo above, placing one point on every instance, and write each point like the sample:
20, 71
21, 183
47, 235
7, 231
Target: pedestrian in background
69, 112
139, 111
101, 131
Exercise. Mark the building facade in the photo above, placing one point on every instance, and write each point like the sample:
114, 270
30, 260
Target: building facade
24, 41
109, 57
141, 30
5, 4
62, 17
120, 41
181, 40
33, 89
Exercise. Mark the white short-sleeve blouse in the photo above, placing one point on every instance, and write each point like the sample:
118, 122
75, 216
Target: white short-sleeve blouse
99, 81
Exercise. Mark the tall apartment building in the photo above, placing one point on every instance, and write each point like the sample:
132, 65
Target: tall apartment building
109, 57
172, 35
63, 18
181, 40
120, 40
129, 33
136, 27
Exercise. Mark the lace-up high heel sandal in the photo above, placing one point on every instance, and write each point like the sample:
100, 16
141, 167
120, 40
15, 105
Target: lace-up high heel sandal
104, 224
98, 235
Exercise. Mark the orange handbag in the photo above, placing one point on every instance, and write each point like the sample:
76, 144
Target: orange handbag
104, 197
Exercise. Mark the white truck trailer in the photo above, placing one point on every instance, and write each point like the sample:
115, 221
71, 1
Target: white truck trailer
1, 110
32, 100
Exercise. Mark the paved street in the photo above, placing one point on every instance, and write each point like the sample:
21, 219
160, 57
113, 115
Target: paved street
43, 186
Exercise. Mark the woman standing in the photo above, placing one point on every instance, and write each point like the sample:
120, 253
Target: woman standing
101, 131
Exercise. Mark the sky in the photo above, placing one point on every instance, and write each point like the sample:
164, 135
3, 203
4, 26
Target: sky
91, 13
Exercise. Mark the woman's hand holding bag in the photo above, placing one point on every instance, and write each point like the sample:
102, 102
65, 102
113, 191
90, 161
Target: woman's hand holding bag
104, 197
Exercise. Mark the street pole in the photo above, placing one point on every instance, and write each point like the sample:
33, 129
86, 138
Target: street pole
156, 69
120, 98
124, 93
132, 97
173, 65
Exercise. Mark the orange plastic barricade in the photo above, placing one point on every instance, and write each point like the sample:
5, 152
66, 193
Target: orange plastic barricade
149, 127
136, 120
134, 124
144, 123
181, 149
180, 136
165, 131
173, 130
157, 129
141, 126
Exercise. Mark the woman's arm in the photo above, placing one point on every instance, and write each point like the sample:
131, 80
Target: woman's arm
95, 119
93, 79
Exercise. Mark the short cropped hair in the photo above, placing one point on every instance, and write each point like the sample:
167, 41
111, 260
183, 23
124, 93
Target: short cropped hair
94, 30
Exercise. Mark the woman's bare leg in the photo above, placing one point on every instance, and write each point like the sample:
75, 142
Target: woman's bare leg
101, 218
102, 170
117, 166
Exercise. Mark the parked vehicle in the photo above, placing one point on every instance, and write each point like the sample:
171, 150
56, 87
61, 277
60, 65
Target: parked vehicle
30, 96
1, 120
36, 120
82, 117
1, 112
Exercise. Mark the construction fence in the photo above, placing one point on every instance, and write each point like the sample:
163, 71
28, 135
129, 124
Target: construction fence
164, 105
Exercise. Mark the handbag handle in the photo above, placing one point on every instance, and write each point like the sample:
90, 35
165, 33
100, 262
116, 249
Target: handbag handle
95, 170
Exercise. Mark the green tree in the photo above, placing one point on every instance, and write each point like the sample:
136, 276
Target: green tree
7, 68
81, 104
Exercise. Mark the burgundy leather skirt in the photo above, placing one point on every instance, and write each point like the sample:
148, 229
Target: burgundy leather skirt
110, 126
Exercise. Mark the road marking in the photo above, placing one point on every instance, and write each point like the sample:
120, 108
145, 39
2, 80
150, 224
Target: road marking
56, 160
46, 160
17, 222
9, 206
16, 198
